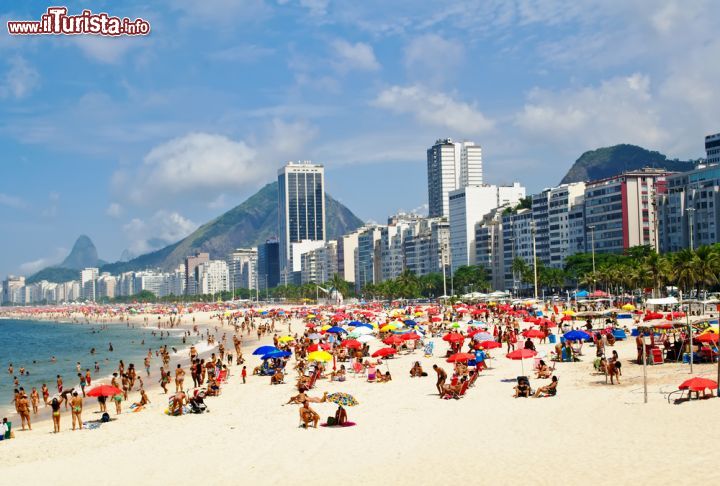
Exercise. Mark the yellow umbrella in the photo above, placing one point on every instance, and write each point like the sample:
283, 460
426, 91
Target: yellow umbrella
628, 307
311, 316
319, 356
286, 339
325, 327
569, 312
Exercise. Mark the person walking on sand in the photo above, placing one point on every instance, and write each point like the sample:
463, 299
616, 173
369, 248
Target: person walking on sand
164, 379
23, 408
76, 404
244, 374
55, 406
35, 399
441, 378
45, 393
179, 378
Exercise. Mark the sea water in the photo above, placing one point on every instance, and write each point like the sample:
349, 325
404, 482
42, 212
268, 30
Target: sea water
32, 345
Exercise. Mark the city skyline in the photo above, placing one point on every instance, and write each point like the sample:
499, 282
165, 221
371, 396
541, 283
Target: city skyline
534, 83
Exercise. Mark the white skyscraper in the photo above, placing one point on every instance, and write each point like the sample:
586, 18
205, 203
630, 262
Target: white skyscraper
451, 166
301, 211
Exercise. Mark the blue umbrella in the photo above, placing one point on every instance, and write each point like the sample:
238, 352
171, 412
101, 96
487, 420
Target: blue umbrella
410, 322
576, 335
314, 336
582, 293
360, 324
276, 354
336, 329
263, 350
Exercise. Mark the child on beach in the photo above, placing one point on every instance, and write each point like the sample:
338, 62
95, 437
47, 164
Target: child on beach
244, 373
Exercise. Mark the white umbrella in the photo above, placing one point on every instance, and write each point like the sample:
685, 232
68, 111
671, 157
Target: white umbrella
366, 338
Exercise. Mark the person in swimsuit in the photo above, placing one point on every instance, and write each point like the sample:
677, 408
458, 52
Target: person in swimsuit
35, 400
23, 408
308, 415
179, 378
164, 379
45, 393
118, 403
441, 378
76, 404
59, 384
55, 406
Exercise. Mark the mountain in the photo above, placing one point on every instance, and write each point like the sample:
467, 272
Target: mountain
609, 161
246, 225
83, 255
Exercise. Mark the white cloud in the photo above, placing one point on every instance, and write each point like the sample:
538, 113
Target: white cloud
434, 108
20, 79
33, 266
219, 202
161, 229
13, 202
619, 110
359, 56
114, 210
109, 50
316, 7
433, 57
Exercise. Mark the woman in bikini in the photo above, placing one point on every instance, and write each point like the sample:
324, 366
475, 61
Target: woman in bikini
55, 406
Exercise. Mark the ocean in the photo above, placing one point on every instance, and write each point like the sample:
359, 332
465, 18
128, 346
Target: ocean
32, 344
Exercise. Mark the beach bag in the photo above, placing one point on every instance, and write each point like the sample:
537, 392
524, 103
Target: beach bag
331, 421
105, 417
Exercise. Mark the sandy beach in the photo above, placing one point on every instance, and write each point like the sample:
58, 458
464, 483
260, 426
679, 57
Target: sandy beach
589, 432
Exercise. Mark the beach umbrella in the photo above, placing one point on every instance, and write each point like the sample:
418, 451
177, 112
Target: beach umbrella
698, 384
576, 335
482, 336
410, 322
362, 330
521, 354
351, 343
263, 350
393, 340
319, 356
276, 354
366, 338
460, 357
411, 336
317, 347
104, 391
335, 330
344, 399
314, 336
490, 344
383, 352
708, 337
628, 307
356, 323
453, 337
286, 339
569, 312
361, 325
533, 333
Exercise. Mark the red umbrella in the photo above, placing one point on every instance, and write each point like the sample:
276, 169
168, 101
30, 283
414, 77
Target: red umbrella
411, 336
533, 333
394, 339
383, 352
490, 344
663, 325
460, 357
521, 354
454, 337
698, 384
708, 337
351, 343
315, 347
435, 318
104, 391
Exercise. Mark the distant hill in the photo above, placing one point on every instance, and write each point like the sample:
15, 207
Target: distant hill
54, 274
249, 224
608, 161
83, 255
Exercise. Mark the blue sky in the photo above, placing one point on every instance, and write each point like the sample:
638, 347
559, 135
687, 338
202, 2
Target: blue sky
137, 141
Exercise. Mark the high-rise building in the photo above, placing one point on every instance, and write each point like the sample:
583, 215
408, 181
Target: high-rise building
692, 204
12, 287
301, 211
562, 200
517, 243
212, 277
87, 283
712, 149
242, 265
191, 263
346, 246
269, 264
319, 265
451, 166
620, 210
489, 247
428, 250
467, 207
367, 257
106, 286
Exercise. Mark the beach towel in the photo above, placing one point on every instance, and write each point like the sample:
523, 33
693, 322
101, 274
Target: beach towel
429, 349
346, 424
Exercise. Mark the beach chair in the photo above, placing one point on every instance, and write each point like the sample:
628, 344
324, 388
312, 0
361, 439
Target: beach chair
459, 394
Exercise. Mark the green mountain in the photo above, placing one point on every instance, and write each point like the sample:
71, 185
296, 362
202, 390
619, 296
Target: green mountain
54, 274
83, 255
249, 224
609, 161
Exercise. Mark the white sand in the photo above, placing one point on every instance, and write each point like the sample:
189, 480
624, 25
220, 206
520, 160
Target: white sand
589, 433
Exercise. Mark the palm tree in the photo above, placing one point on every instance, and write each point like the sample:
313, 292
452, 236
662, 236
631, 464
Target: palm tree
707, 266
684, 269
657, 270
